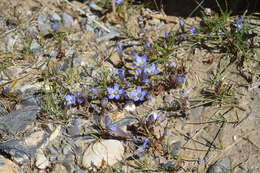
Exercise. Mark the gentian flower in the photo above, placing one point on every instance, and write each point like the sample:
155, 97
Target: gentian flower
70, 99
142, 75
120, 73
118, 2
107, 120
154, 117
167, 35
181, 23
138, 94
147, 44
152, 70
181, 79
55, 26
239, 24
114, 93
141, 61
112, 128
79, 98
119, 47
193, 30
92, 5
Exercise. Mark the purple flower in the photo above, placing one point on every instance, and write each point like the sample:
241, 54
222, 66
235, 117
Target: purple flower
79, 99
92, 5
138, 94
152, 70
193, 30
154, 117
181, 79
114, 93
142, 75
119, 47
167, 35
239, 24
120, 73
141, 61
70, 99
112, 128
181, 23
55, 26
118, 2
147, 44
107, 120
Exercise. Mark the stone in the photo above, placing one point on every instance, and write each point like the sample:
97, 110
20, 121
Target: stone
16, 122
30, 100
35, 47
67, 20
59, 168
7, 166
3, 109
221, 166
111, 151
41, 161
23, 150
54, 17
43, 23
108, 36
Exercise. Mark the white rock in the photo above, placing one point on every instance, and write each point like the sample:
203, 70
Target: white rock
111, 151
41, 161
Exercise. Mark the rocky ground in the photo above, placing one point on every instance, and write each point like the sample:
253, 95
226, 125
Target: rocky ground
101, 87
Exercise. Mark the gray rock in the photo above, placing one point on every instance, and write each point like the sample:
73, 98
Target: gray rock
17, 121
43, 23
74, 128
41, 161
175, 148
23, 150
30, 100
221, 166
3, 110
67, 20
35, 47
108, 36
54, 17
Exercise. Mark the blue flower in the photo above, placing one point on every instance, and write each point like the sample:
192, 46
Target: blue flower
107, 120
120, 73
181, 79
181, 23
239, 24
119, 47
79, 98
118, 2
154, 117
138, 94
92, 5
114, 93
112, 128
142, 75
147, 44
167, 35
141, 61
193, 30
55, 26
152, 70
70, 99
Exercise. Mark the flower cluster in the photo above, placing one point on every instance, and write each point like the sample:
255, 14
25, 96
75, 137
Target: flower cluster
74, 99
239, 24
115, 93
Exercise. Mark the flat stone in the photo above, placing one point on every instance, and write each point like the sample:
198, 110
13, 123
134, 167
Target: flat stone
41, 161
221, 166
7, 166
35, 47
67, 20
23, 150
111, 151
16, 122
